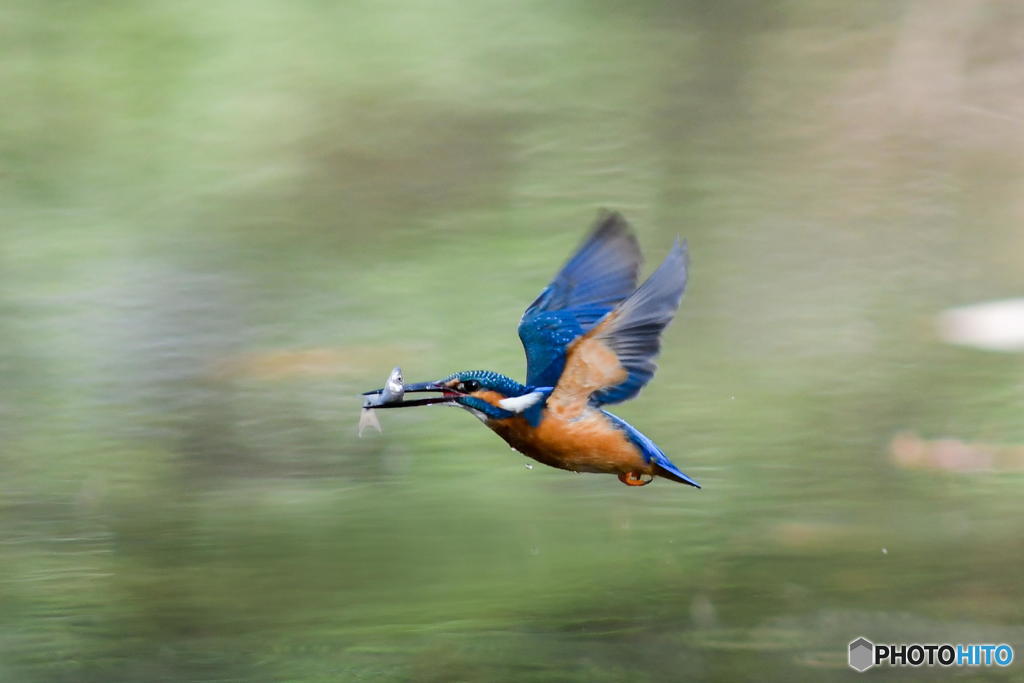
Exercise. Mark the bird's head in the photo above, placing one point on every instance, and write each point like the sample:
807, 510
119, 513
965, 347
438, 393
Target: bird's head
486, 394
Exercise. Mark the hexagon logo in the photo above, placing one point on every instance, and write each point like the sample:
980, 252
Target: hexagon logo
862, 654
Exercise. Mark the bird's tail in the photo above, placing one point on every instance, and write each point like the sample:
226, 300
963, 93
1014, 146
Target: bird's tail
666, 469
662, 465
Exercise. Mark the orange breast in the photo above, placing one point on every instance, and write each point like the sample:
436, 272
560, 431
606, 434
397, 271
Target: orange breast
587, 444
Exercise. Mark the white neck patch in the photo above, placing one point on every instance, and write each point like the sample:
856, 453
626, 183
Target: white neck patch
518, 404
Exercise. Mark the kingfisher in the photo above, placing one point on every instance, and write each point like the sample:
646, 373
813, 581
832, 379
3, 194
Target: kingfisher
591, 338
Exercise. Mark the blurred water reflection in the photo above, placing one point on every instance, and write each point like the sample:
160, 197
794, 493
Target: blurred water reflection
221, 222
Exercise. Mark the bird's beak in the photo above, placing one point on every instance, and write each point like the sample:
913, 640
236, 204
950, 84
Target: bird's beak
422, 387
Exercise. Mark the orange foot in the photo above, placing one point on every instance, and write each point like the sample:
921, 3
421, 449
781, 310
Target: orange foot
635, 478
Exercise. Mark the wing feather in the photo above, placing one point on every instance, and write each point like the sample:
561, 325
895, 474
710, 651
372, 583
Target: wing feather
615, 359
599, 275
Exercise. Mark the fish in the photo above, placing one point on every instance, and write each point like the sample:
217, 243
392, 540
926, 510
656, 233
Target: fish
392, 393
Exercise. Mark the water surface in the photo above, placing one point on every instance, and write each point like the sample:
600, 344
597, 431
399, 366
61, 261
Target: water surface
221, 222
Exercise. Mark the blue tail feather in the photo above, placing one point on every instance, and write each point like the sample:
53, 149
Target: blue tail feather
651, 452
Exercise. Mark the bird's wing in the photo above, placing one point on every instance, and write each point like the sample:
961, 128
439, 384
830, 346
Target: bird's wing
600, 275
615, 359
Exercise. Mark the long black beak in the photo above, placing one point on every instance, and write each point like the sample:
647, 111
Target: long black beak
422, 387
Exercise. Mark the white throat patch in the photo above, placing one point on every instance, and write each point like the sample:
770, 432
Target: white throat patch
517, 404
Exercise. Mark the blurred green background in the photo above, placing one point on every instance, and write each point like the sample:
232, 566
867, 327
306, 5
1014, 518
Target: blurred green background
221, 221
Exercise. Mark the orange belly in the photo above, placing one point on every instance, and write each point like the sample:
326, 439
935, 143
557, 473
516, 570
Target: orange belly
587, 444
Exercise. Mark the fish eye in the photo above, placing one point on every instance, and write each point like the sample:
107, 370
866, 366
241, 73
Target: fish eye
469, 386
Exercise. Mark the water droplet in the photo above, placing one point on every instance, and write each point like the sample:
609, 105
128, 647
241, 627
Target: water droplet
529, 466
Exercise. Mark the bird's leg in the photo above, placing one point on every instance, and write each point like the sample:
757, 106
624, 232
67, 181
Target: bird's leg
635, 478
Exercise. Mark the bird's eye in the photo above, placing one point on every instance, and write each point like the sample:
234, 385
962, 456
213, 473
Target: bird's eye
469, 386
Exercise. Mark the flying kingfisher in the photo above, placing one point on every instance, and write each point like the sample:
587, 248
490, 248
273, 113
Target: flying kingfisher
590, 338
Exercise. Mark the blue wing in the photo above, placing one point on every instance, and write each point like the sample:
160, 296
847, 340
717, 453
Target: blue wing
633, 330
599, 276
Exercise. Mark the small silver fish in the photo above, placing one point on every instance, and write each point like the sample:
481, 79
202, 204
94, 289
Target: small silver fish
394, 388
393, 392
